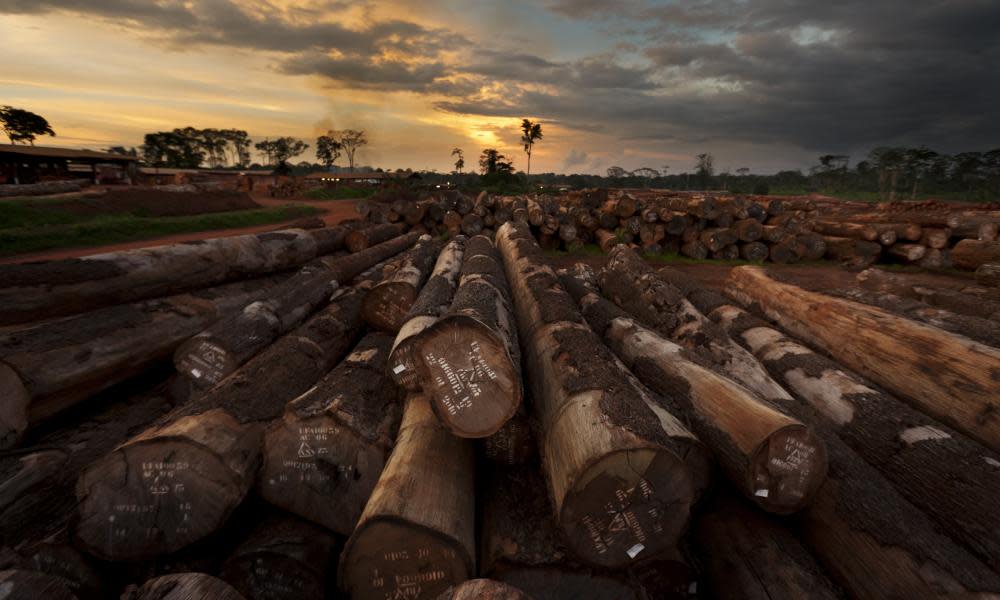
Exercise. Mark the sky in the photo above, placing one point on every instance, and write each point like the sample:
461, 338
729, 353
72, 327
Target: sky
761, 84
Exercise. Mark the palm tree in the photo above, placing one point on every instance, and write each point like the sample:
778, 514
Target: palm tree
531, 133
461, 159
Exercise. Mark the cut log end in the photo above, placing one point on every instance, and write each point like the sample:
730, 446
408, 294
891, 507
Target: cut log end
629, 505
394, 559
484, 589
788, 469
386, 305
184, 586
468, 373
14, 403
204, 362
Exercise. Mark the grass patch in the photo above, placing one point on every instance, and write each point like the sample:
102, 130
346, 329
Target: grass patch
34, 212
111, 229
340, 193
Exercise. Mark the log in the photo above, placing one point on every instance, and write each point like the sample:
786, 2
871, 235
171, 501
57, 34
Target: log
717, 238
183, 586
776, 461
727, 253
676, 222
567, 232
935, 237
908, 252
322, 458
943, 375
41, 290
282, 558
810, 246
606, 239
432, 302
970, 254
908, 232
514, 444
387, 304
988, 275
748, 230
607, 443
913, 451
853, 253
360, 239
857, 231
179, 480
472, 224
416, 535
754, 251
522, 546
22, 584
469, 359
958, 302
695, 250
977, 227
783, 253
53, 366
483, 589
935, 259
745, 555
453, 221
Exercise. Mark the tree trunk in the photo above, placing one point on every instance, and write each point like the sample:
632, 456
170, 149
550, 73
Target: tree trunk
469, 359
514, 444
748, 230
283, 558
959, 302
935, 237
944, 375
386, 305
909, 232
53, 366
606, 239
180, 480
718, 238
432, 302
856, 231
213, 354
754, 251
907, 252
483, 589
988, 275
916, 453
695, 250
41, 290
416, 535
970, 254
472, 224
747, 556
358, 240
607, 443
773, 459
323, 456
851, 252
183, 586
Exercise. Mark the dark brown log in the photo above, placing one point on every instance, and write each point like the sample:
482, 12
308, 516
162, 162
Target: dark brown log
472, 224
748, 230
41, 290
676, 222
727, 253
417, 530
283, 558
522, 545
323, 456
946, 376
935, 238
53, 366
857, 231
907, 252
483, 589
810, 246
853, 253
912, 450
414, 212
358, 240
184, 586
17, 584
754, 251
936, 259
217, 351
514, 443
747, 556
434, 300
773, 233
783, 253
718, 238
453, 221
973, 226
606, 239
988, 275
607, 442
567, 232
909, 232
969, 254
958, 302
626, 205
181, 479
387, 304
650, 215
469, 359
773, 459
695, 250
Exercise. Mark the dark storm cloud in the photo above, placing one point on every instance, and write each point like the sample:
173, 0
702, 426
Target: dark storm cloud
361, 72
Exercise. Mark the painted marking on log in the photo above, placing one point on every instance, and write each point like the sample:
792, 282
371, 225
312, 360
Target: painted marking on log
826, 393
992, 461
762, 493
923, 433
399, 368
635, 550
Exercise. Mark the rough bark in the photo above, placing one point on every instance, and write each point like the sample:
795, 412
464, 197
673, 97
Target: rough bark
754, 251
851, 252
283, 558
417, 530
184, 586
970, 254
949, 377
772, 458
323, 457
908, 252
469, 359
181, 479
41, 290
514, 443
52, 366
606, 441
432, 302
988, 275
20, 584
483, 589
360, 239
387, 304
962, 303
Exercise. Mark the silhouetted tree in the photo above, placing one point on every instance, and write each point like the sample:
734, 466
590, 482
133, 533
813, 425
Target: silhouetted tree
350, 141
492, 161
530, 133
21, 125
705, 168
328, 149
460, 162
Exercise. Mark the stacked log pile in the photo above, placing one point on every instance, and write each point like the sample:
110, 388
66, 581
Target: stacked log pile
716, 225
384, 414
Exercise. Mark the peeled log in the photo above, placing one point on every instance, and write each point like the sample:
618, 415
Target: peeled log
915, 452
608, 445
323, 457
432, 302
484, 589
180, 480
283, 558
970, 254
470, 359
387, 304
775, 460
52, 366
416, 535
360, 239
943, 375
213, 354
747, 556
184, 586
41, 290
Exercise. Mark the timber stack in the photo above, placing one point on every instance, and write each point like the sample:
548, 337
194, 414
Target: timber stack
374, 411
